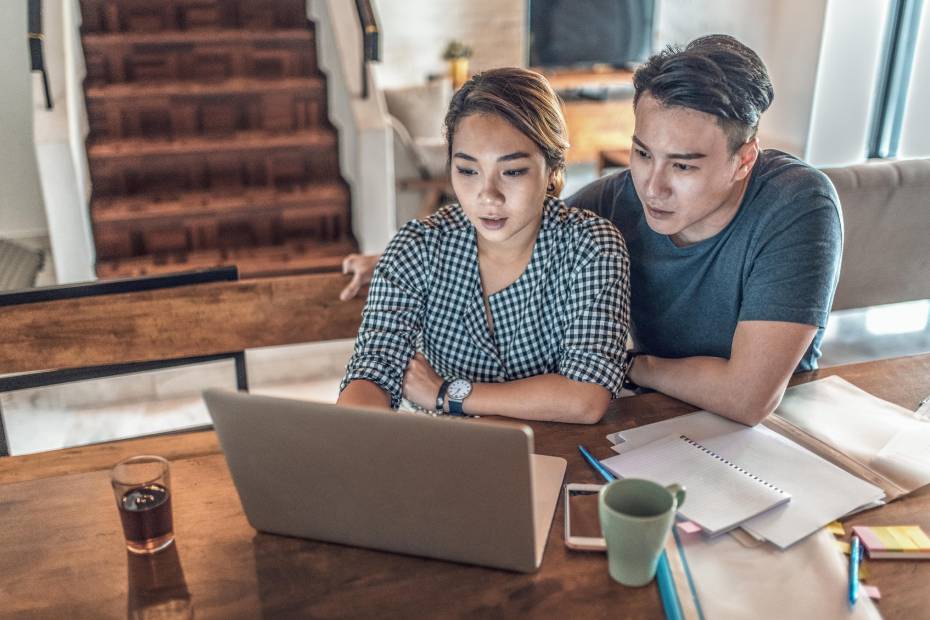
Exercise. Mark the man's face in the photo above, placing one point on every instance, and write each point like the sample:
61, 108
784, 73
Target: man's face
684, 174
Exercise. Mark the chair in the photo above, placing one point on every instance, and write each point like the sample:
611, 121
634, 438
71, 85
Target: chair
70, 333
886, 213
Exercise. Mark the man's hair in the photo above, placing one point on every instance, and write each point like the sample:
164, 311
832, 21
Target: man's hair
715, 74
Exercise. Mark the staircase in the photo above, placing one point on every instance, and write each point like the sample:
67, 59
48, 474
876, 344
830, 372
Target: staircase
209, 139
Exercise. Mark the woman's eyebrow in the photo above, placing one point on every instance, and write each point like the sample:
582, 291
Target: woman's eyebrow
508, 157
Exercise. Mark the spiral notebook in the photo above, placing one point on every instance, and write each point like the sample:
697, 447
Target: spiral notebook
720, 494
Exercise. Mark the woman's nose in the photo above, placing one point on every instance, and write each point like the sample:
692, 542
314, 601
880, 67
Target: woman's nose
490, 193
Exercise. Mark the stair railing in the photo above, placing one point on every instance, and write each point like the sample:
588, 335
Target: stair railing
371, 39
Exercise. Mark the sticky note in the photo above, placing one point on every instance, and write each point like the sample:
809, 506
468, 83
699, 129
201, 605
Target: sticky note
836, 528
689, 527
872, 592
864, 571
843, 546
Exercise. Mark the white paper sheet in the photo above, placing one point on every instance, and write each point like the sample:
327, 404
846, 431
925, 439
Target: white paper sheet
880, 434
807, 581
820, 491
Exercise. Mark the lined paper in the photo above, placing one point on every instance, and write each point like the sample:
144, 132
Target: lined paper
719, 494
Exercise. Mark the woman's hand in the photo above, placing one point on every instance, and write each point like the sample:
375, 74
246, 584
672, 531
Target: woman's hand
421, 383
362, 268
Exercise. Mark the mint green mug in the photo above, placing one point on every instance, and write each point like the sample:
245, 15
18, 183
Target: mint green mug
636, 516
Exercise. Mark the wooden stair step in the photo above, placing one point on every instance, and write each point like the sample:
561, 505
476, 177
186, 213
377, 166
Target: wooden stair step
132, 91
242, 142
328, 198
216, 37
146, 15
253, 262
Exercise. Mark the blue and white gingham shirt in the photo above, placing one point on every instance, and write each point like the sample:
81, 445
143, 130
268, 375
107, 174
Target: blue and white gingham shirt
568, 313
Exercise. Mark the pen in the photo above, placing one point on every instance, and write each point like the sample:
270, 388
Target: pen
593, 462
854, 553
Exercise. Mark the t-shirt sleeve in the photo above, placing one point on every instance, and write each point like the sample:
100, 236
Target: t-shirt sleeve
795, 270
597, 196
393, 315
593, 348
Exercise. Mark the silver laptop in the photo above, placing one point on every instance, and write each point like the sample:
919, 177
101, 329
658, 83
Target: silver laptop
448, 488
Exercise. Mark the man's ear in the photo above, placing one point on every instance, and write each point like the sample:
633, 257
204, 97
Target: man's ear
746, 157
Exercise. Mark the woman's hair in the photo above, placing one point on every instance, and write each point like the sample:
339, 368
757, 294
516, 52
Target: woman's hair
525, 100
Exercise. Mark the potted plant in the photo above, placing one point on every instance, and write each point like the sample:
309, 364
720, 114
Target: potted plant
457, 54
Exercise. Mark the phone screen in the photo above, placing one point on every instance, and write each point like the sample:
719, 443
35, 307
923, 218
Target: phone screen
584, 521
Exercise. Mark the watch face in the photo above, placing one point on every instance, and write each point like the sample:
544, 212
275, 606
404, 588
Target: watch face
459, 389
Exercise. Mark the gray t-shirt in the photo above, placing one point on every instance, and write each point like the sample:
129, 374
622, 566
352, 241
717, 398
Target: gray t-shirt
777, 260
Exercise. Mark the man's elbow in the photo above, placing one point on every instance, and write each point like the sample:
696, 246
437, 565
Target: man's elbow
757, 407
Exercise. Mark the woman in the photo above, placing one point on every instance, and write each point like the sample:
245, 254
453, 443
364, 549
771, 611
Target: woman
508, 303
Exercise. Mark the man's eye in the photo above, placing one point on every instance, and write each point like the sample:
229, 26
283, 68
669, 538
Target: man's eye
465, 171
683, 167
516, 172
641, 153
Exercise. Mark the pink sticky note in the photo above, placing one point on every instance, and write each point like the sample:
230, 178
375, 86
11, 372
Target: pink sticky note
689, 527
872, 592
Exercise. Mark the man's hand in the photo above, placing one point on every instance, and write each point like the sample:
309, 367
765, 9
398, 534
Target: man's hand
362, 267
421, 383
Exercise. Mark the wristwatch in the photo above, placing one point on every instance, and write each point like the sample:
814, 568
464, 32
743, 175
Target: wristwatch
629, 384
458, 391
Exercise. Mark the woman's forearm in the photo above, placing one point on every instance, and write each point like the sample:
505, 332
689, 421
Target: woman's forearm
362, 393
550, 397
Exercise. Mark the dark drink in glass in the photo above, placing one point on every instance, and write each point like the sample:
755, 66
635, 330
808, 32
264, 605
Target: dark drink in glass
143, 497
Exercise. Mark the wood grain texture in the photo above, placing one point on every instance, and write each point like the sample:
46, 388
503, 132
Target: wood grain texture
61, 551
173, 323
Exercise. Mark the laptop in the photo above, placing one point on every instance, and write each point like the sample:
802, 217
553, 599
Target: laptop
456, 489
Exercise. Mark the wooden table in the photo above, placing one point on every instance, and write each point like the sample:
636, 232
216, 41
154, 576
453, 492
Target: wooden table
62, 556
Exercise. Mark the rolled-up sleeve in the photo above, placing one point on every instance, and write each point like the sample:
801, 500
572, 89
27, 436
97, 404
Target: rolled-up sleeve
593, 349
393, 315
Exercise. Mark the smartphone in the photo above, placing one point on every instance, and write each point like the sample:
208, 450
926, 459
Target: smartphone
582, 524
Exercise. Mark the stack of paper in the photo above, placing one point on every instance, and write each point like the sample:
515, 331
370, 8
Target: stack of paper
820, 491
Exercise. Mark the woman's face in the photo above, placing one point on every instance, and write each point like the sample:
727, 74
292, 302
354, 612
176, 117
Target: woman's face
500, 179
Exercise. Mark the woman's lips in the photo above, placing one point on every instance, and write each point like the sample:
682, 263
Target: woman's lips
493, 223
659, 214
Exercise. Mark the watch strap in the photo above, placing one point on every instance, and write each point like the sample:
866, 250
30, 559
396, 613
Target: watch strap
441, 396
455, 407
629, 384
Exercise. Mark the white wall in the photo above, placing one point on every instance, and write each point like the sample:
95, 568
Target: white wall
415, 33
59, 137
854, 35
21, 210
785, 33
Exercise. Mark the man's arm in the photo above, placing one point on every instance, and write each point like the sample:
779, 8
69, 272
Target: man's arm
362, 268
747, 387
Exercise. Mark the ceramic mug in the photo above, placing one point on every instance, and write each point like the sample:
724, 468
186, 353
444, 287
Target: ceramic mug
636, 516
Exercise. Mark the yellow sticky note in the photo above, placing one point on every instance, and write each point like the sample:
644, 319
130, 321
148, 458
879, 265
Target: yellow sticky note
843, 546
917, 535
864, 571
901, 539
836, 528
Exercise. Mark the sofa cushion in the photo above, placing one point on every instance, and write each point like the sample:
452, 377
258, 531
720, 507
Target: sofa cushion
886, 249
421, 109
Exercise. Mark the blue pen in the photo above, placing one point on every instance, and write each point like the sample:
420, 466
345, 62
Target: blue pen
663, 573
593, 462
854, 554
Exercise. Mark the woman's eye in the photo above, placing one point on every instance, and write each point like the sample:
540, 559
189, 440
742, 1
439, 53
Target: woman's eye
465, 171
516, 172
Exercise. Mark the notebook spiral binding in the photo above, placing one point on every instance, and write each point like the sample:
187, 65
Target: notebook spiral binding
731, 464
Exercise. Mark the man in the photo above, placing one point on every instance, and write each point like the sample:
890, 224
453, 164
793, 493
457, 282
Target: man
734, 251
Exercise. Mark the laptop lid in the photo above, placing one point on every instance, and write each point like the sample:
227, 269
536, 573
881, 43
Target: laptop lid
447, 488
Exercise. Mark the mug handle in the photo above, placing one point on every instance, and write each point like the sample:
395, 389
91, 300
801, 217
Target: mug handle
678, 492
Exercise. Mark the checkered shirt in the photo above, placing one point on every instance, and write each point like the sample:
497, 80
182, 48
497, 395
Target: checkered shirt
568, 313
